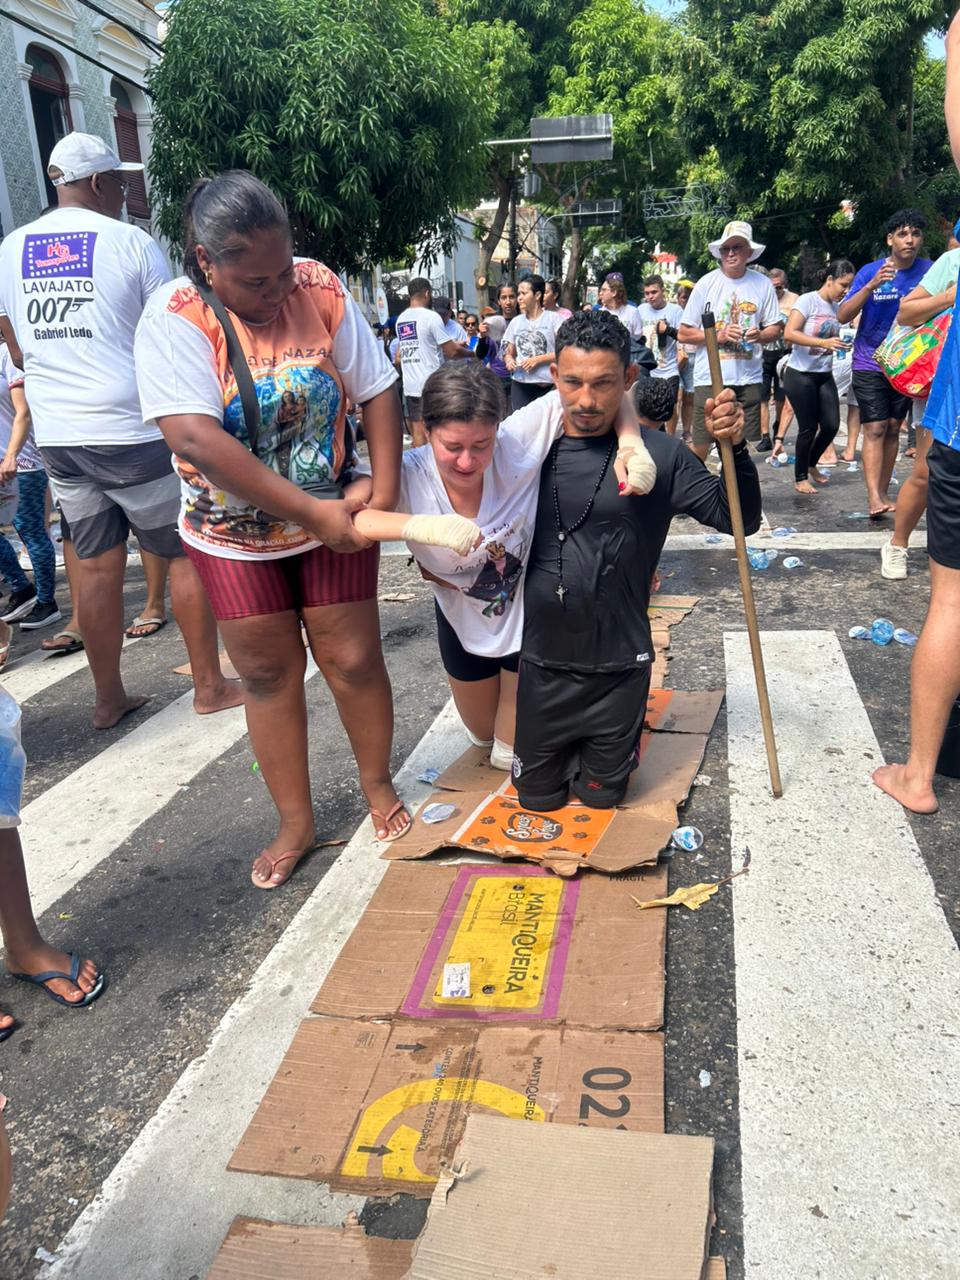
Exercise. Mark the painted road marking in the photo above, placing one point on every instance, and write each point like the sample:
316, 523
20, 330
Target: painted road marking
147, 1220
848, 991
81, 820
36, 672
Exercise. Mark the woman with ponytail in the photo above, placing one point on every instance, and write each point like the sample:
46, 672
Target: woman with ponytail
813, 330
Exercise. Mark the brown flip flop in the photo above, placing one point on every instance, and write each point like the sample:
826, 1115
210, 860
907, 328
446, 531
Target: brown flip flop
382, 820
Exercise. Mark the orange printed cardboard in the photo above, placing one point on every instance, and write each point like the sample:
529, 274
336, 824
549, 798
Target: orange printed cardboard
377, 1108
255, 1249
620, 1205
497, 944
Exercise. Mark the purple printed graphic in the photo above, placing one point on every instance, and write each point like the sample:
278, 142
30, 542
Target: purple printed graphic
407, 329
64, 254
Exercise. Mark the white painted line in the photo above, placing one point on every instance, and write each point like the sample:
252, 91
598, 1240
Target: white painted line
868, 540
37, 672
848, 991
167, 1205
77, 823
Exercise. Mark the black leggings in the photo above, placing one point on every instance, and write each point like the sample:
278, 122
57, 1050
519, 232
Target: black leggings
817, 408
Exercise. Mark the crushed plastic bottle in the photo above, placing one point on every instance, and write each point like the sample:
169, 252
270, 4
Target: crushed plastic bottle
13, 761
784, 531
903, 636
713, 538
859, 633
438, 813
857, 515
688, 838
772, 554
758, 559
793, 562
782, 460
881, 631
853, 466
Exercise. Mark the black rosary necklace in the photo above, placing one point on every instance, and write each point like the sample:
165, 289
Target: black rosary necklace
562, 533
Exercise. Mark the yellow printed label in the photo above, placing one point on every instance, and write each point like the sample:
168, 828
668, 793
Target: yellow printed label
505, 935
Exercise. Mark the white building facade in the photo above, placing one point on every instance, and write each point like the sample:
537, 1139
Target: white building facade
64, 66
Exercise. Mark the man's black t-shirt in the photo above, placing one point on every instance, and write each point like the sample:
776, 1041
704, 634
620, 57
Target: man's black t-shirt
602, 624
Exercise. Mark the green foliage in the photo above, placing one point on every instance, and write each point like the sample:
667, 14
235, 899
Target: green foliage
351, 110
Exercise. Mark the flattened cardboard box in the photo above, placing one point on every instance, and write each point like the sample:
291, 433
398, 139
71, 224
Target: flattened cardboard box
498, 944
374, 1108
487, 816
621, 1206
259, 1250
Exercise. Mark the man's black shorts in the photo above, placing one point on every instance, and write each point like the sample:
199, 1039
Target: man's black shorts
577, 732
943, 505
877, 399
771, 379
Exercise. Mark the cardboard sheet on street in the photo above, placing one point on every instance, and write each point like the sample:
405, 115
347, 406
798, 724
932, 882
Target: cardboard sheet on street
495, 944
621, 1206
377, 1108
259, 1250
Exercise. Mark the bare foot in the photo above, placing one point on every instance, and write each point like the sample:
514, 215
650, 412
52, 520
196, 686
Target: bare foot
42, 959
229, 694
382, 799
107, 716
820, 476
829, 459
7, 1020
804, 486
877, 508
917, 797
848, 457
275, 864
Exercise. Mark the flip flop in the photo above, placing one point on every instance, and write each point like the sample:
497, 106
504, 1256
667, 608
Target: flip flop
155, 625
54, 650
274, 863
382, 820
40, 980
7, 1032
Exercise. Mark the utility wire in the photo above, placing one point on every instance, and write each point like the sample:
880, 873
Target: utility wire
73, 49
147, 40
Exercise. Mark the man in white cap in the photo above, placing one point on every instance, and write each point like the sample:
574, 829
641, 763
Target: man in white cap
72, 287
747, 315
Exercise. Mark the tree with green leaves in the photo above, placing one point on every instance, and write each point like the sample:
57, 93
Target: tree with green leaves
352, 111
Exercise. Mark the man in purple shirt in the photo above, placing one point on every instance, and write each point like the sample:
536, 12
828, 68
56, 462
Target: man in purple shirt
876, 292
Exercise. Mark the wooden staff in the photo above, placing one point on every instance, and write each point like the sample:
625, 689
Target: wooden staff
743, 562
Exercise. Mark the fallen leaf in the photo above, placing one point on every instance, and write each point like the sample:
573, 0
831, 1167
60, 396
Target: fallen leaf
327, 844
398, 597
692, 896
65, 915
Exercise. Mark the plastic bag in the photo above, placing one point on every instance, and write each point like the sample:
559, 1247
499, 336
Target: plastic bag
13, 761
909, 357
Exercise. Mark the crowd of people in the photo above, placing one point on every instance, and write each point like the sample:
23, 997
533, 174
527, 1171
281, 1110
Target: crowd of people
209, 416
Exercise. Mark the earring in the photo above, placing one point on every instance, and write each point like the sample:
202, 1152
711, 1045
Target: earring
208, 276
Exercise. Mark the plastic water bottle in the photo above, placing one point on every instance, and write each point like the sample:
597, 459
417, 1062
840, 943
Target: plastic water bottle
434, 813
772, 554
858, 633
713, 538
847, 335
688, 838
785, 531
903, 636
793, 562
13, 761
758, 559
881, 631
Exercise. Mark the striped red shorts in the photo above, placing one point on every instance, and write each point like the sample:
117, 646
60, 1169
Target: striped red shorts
250, 588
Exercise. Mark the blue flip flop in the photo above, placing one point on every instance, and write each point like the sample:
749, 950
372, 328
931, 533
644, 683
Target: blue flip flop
40, 979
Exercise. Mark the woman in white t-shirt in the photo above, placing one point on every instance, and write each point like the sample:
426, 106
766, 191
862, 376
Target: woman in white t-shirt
530, 344
490, 474
813, 330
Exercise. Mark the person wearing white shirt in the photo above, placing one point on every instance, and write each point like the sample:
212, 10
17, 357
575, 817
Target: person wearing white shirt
530, 343
660, 320
424, 345
612, 296
73, 285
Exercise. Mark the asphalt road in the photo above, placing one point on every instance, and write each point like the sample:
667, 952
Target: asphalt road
170, 914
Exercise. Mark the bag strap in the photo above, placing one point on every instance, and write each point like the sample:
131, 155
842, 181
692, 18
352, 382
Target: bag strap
238, 363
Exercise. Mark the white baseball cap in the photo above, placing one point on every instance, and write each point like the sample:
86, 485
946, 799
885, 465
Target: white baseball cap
79, 155
733, 231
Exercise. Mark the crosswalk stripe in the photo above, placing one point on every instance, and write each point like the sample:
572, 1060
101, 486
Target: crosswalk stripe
36, 672
867, 540
848, 990
151, 1223
74, 825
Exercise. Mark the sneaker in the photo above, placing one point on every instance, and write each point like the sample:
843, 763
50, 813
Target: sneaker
893, 561
765, 445
41, 615
20, 602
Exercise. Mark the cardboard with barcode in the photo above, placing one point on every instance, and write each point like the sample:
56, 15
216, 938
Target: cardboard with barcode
498, 944
488, 818
377, 1108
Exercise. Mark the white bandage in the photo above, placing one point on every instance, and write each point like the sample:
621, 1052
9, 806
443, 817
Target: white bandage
456, 532
640, 467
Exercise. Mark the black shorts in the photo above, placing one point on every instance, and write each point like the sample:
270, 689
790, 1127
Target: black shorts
412, 406
771, 379
459, 664
577, 731
878, 400
943, 505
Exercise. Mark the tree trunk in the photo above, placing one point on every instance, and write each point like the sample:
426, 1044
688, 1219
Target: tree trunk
489, 242
573, 268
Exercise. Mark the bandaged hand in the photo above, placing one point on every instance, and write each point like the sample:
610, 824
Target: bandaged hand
455, 532
635, 468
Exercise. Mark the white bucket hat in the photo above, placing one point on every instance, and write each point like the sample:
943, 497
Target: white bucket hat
735, 230
80, 155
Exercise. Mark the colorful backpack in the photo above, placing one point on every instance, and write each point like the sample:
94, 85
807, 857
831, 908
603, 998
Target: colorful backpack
909, 357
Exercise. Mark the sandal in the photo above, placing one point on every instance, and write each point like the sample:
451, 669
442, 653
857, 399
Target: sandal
41, 979
53, 650
7, 1032
381, 822
153, 625
296, 854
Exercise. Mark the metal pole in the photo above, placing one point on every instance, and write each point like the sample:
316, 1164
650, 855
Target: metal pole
743, 564
513, 221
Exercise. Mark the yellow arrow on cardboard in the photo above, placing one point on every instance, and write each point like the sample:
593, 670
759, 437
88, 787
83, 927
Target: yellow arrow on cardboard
398, 1158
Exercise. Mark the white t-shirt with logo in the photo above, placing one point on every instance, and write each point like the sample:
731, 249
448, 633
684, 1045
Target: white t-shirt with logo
629, 317
533, 338
650, 317
421, 335
74, 284
819, 321
10, 376
484, 601
749, 301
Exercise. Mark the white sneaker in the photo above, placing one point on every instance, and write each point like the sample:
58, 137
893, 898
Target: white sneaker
893, 561
501, 757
